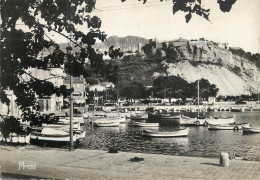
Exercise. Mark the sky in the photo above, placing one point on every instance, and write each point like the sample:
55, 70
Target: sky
240, 27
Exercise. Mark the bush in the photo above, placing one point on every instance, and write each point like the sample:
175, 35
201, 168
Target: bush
9, 125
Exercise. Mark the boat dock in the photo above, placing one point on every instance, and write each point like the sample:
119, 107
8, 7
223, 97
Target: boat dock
96, 164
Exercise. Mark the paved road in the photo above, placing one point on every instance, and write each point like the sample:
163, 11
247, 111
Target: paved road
95, 164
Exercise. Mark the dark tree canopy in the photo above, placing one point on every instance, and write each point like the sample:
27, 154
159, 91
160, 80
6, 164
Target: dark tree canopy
135, 90
205, 88
177, 87
25, 35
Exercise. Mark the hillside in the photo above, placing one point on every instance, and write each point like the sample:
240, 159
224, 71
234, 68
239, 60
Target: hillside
233, 74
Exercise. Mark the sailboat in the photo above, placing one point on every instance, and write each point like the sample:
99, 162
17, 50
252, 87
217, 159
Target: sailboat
213, 121
200, 120
188, 121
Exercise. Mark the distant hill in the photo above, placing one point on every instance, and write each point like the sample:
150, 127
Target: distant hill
128, 43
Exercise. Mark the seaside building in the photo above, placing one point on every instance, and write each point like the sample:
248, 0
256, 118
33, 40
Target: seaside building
55, 75
79, 88
48, 104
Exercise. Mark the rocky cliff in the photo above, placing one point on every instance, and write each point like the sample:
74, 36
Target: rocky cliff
232, 74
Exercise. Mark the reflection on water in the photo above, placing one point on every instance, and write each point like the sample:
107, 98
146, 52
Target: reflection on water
200, 141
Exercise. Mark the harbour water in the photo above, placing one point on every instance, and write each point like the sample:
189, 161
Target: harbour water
200, 142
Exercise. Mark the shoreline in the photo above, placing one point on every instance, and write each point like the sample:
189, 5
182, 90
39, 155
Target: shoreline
97, 164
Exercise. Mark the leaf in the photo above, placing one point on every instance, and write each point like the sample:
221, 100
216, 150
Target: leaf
226, 5
188, 17
175, 9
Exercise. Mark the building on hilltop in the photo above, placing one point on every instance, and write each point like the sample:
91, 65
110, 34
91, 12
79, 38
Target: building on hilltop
223, 45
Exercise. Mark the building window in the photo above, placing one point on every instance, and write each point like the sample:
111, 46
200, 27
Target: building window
47, 105
41, 104
1, 106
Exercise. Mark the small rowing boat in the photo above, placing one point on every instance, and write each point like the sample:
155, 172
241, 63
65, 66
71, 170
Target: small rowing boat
178, 133
139, 124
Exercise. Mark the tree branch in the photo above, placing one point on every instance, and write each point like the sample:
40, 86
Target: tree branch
62, 35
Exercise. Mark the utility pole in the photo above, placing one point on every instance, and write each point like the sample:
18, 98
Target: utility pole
71, 114
198, 97
71, 148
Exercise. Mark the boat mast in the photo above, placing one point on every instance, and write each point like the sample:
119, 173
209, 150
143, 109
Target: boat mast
198, 97
257, 91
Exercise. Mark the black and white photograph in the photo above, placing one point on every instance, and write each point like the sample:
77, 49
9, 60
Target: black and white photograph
130, 89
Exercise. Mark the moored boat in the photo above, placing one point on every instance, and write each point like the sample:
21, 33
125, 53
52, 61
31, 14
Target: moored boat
251, 129
77, 119
106, 123
220, 120
54, 137
61, 126
178, 133
231, 126
137, 117
164, 116
139, 124
188, 121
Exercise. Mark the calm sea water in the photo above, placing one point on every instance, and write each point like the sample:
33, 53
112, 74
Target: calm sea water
200, 141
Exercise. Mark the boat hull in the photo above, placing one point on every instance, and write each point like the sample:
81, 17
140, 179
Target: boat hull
251, 129
138, 124
179, 133
189, 121
106, 123
55, 137
164, 117
138, 117
220, 121
232, 126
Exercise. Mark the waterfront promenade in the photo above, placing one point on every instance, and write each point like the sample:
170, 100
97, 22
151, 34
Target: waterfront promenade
96, 164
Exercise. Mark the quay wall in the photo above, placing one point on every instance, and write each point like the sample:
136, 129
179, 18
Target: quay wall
216, 107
